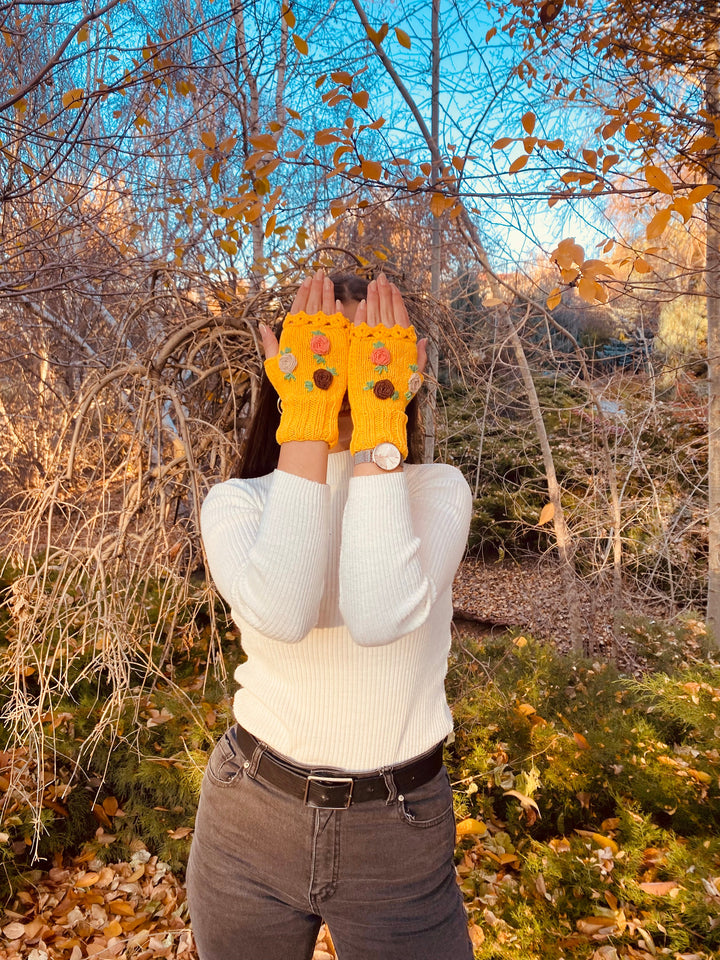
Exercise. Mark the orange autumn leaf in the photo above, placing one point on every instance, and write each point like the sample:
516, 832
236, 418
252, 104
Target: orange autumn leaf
121, 908
659, 888
371, 169
518, 164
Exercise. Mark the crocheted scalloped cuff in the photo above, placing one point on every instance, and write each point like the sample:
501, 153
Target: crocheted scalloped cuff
362, 330
331, 321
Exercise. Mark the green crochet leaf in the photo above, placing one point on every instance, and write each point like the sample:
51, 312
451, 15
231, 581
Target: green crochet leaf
289, 376
395, 396
369, 385
309, 385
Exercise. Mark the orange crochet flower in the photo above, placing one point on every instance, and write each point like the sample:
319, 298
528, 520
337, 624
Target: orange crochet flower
381, 356
320, 344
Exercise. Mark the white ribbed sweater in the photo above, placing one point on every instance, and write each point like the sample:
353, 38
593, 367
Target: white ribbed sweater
342, 592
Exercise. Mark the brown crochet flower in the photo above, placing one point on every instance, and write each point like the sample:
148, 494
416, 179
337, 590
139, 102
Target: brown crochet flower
323, 379
384, 389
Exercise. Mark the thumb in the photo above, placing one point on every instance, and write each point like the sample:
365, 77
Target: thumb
269, 341
422, 354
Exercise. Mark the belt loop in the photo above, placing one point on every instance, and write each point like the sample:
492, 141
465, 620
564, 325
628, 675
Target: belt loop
390, 784
255, 759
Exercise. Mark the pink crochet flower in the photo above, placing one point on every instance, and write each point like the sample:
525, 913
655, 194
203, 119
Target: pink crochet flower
381, 356
414, 383
320, 344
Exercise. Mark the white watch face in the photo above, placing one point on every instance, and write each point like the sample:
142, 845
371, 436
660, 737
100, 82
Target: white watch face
386, 456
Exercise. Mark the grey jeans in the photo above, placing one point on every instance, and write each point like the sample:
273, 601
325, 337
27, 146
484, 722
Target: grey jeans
265, 870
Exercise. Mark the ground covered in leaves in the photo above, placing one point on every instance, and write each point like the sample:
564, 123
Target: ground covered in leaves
587, 799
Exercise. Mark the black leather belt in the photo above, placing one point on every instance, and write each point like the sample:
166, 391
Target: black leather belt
329, 792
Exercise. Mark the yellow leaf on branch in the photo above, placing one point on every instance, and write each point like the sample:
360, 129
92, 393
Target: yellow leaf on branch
439, 203
403, 38
658, 179
73, 99
300, 44
554, 299
287, 15
546, 514
590, 290
528, 122
700, 192
264, 141
658, 224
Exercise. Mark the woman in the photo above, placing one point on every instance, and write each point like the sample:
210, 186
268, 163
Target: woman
328, 799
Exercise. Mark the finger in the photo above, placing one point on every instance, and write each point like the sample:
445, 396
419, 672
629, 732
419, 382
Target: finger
422, 355
300, 301
315, 297
385, 299
399, 311
269, 341
373, 306
328, 296
361, 313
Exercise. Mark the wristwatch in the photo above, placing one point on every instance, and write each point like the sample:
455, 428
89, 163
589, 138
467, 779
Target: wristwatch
384, 455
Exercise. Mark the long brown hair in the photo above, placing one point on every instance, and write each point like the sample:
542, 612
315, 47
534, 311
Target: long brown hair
261, 450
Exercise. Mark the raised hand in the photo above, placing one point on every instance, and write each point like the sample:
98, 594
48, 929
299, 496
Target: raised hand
385, 367
308, 367
314, 294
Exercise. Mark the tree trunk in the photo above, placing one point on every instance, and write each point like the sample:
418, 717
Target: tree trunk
712, 274
430, 396
563, 538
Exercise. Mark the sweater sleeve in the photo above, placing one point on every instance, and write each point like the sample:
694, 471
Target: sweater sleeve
404, 535
267, 553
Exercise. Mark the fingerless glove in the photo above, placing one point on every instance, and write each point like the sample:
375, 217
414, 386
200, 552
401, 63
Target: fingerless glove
309, 374
383, 377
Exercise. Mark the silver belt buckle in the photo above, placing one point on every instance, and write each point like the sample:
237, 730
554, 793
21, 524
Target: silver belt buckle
311, 779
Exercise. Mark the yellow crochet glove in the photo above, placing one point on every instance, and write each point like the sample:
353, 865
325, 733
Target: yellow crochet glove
383, 377
309, 374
